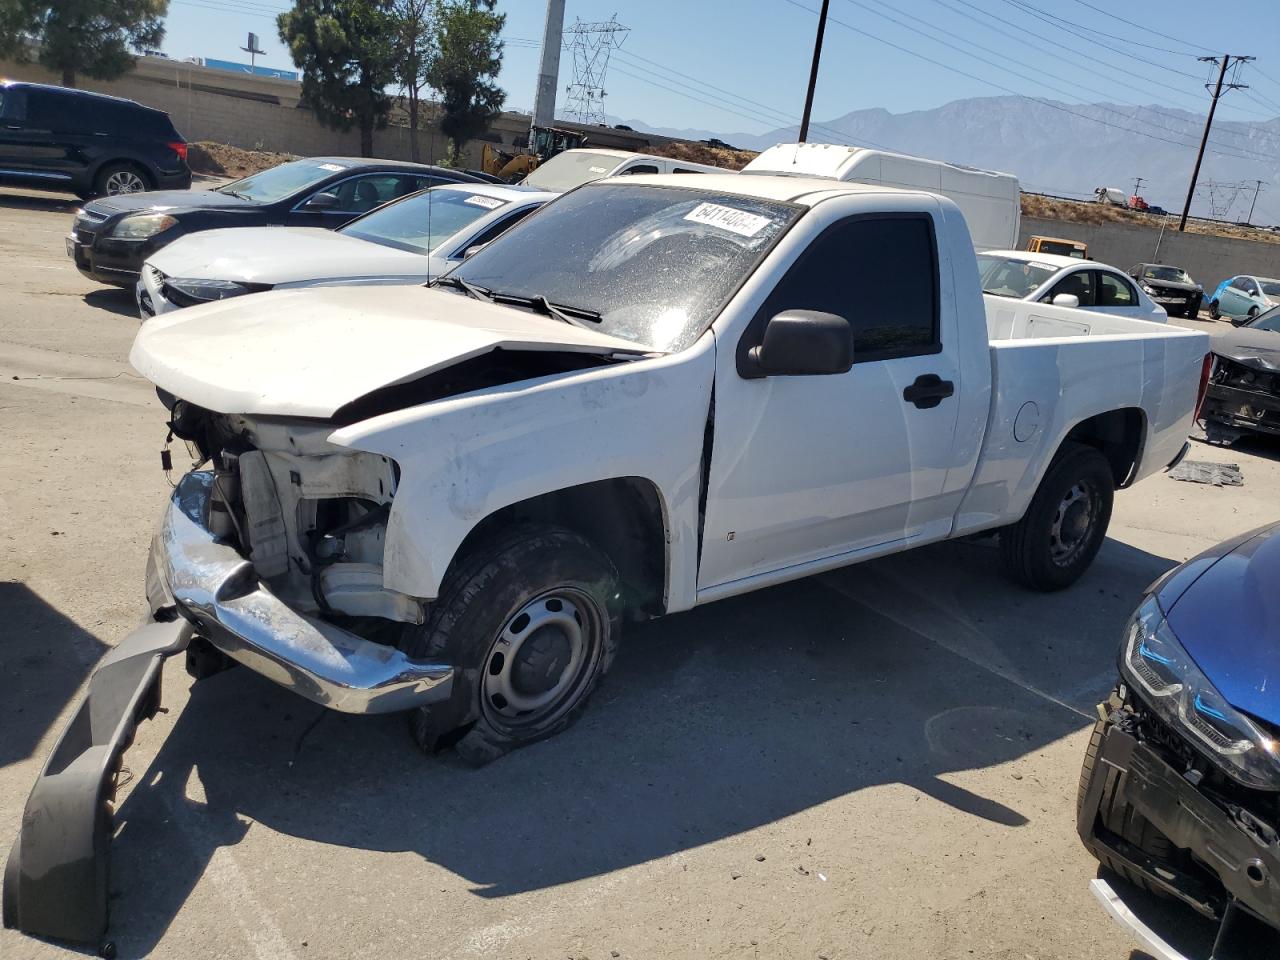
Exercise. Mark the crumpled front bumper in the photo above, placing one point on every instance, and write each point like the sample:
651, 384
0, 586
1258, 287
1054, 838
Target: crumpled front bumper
216, 588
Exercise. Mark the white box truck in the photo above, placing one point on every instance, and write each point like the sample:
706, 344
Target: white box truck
991, 202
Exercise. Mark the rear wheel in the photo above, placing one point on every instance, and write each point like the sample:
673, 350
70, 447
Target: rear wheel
1120, 818
1253, 312
528, 621
1065, 524
120, 178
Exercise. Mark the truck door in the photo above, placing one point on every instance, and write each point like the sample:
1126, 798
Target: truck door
811, 467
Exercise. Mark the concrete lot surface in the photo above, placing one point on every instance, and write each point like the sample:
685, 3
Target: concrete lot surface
879, 762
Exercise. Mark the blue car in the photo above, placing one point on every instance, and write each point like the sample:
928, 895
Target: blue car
1244, 297
1180, 791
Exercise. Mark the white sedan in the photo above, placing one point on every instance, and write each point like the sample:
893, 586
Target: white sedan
1065, 282
412, 240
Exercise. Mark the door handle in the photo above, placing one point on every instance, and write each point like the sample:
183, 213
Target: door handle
928, 391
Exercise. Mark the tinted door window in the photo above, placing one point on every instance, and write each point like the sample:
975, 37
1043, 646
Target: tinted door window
1250, 288
1078, 283
502, 226
13, 104
639, 168
45, 108
362, 194
1115, 291
1237, 283
879, 274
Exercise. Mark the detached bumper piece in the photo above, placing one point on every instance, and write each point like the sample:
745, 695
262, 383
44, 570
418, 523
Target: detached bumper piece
217, 589
55, 882
1247, 903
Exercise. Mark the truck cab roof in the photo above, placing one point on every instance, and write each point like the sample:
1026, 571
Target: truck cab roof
807, 191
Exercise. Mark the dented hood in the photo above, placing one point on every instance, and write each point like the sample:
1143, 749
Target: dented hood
275, 255
307, 353
1258, 349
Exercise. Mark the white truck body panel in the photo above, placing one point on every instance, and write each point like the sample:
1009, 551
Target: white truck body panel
991, 201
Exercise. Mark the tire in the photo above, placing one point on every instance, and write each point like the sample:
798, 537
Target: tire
1120, 818
120, 178
532, 574
1054, 543
1253, 312
1213, 310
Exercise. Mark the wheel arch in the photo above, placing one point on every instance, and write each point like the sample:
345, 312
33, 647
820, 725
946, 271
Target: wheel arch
139, 166
1119, 435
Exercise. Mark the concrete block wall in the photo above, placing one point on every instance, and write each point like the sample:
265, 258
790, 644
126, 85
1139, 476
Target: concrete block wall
1209, 260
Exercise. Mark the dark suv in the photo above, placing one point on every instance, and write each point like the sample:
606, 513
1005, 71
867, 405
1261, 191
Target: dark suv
89, 144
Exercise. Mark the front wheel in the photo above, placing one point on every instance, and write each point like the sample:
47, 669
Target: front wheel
1214, 314
529, 622
1065, 524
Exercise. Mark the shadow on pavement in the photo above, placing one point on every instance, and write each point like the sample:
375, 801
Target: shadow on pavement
49, 202
115, 299
712, 723
44, 658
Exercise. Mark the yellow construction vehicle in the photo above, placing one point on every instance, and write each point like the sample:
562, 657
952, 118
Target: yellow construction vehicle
545, 143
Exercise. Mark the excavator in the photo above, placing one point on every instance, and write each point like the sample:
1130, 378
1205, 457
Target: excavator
545, 143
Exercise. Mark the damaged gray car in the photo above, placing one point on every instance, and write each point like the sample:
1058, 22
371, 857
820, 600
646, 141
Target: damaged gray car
1244, 384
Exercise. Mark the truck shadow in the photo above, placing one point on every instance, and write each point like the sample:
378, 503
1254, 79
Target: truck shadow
712, 723
44, 658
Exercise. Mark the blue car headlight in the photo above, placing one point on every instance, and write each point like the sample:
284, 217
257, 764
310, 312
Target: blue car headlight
1168, 680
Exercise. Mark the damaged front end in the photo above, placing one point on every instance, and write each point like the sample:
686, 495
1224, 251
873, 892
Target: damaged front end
274, 557
1243, 395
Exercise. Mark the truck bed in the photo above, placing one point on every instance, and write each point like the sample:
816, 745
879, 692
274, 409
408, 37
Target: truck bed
1055, 367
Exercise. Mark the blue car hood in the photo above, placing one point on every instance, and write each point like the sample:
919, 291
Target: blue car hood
1224, 607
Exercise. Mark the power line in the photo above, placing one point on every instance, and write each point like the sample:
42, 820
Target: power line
1149, 29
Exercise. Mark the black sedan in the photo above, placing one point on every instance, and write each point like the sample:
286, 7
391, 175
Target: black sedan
113, 236
1169, 286
1244, 382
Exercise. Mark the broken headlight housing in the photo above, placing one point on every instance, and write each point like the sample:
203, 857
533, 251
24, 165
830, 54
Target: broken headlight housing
1170, 683
188, 293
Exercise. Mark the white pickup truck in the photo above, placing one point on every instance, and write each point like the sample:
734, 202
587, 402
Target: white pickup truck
654, 393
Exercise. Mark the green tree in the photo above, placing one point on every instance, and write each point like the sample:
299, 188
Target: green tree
89, 37
344, 49
415, 51
465, 68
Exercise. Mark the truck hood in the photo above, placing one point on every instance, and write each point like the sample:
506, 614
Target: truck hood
308, 353
275, 255
1224, 609
168, 200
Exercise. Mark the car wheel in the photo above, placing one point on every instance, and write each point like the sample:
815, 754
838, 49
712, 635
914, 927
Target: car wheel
120, 178
1253, 312
1213, 310
1119, 818
1065, 524
530, 624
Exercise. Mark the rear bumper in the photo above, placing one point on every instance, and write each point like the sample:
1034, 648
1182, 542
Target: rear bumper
1247, 891
216, 588
1244, 409
55, 881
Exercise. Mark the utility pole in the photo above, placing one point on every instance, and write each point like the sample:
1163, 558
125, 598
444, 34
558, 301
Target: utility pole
1137, 183
1257, 186
544, 97
813, 71
1208, 122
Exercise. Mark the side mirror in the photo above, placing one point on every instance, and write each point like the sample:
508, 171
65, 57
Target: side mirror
473, 250
1239, 321
1066, 300
322, 201
798, 343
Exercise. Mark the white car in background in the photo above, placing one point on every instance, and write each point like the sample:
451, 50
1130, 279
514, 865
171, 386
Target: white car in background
408, 241
573, 168
1065, 282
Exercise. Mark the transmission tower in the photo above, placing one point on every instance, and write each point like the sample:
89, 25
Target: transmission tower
592, 44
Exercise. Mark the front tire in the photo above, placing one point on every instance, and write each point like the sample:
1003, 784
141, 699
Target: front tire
1065, 523
1214, 314
529, 621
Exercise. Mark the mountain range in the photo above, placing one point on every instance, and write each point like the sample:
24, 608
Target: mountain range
1066, 149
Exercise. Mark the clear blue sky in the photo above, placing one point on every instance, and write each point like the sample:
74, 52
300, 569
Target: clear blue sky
742, 65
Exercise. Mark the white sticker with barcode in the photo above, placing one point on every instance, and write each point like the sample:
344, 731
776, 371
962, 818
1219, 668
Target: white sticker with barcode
489, 203
726, 218
598, 169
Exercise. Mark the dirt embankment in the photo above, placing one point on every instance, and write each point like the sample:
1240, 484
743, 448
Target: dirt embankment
703, 153
223, 160
1081, 211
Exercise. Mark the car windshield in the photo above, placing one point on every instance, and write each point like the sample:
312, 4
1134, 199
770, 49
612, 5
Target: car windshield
282, 181
572, 169
1270, 288
653, 265
1266, 321
421, 222
1011, 277
1062, 248
1161, 272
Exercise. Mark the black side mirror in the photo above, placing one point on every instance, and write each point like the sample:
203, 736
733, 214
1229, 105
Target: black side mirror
322, 201
1239, 321
798, 343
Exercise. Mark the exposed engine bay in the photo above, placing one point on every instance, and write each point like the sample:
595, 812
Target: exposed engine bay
310, 516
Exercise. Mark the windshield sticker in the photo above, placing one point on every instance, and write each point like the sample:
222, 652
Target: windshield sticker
1041, 266
489, 203
332, 167
726, 218
598, 169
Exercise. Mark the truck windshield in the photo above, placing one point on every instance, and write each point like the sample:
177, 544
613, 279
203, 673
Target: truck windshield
1171, 274
1060, 247
282, 181
421, 222
653, 265
1010, 277
572, 169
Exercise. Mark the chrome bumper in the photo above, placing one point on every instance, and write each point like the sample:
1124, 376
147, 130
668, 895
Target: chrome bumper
216, 588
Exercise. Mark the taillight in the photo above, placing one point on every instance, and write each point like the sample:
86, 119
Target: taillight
180, 148
1206, 369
